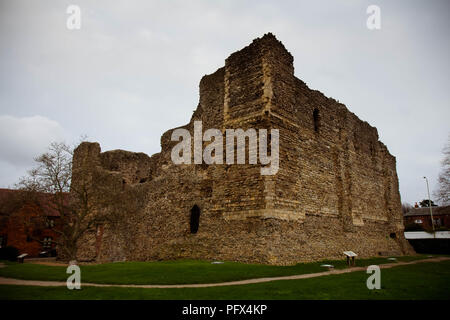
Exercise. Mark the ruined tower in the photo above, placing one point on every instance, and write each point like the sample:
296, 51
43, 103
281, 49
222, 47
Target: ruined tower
336, 188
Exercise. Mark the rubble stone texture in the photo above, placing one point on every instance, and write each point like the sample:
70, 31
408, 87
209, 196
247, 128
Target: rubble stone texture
336, 189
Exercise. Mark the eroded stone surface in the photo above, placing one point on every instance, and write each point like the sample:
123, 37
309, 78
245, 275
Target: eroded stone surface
336, 189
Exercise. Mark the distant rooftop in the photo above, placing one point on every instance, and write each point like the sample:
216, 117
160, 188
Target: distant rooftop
44, 200
426, 211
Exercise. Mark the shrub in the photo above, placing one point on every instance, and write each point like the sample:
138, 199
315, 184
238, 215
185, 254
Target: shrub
9, 253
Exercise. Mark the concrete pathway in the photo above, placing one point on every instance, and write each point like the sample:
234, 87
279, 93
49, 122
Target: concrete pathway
11, 281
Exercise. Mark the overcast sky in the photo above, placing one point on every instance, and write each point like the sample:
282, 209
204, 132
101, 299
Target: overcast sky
132, 71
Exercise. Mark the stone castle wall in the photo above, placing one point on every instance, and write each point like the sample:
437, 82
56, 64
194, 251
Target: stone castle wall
336, 188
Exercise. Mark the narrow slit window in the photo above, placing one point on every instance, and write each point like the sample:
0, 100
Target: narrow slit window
316, 118
195, 219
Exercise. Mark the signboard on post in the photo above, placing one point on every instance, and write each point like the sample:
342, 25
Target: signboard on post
350, 255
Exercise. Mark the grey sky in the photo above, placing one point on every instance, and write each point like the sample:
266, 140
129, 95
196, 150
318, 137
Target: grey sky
132, 71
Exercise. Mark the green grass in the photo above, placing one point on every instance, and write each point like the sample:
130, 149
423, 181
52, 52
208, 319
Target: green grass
175, 272
420, 281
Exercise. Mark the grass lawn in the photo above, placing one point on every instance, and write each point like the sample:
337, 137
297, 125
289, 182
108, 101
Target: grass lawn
419, 281
175, 272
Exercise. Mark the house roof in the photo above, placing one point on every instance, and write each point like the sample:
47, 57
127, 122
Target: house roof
443, 210
7, 195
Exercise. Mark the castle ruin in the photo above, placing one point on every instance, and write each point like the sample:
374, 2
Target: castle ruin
336, 188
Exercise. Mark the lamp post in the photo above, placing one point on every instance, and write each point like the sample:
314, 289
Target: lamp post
429, 205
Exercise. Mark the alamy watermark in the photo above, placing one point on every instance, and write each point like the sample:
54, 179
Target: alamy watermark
213, 152
373, 21
74, 280
374, 281
73, 22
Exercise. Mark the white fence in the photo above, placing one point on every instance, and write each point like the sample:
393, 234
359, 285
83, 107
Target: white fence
427, 235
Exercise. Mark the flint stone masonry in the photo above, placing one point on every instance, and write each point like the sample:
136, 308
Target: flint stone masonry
336, 188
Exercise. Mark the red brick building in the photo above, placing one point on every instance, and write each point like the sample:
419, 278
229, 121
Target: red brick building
28, 225
417, 217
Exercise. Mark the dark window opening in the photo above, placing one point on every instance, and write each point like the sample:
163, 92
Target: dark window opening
373, 151
356, 141
316, 118
195, 218
47, 243
393, 235
3, 241
50, 223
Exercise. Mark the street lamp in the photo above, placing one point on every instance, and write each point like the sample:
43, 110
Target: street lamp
429, 204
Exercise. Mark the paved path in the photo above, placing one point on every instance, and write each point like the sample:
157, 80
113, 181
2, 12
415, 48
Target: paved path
12, 281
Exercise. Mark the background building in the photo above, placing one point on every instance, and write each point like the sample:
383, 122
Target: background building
420, 219
28, 225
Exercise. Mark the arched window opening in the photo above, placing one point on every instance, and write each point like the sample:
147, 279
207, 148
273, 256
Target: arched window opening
316, 118
195, 218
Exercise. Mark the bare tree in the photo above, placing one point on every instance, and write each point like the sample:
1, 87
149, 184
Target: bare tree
10, 202
78, 212
406, 207
443, 191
